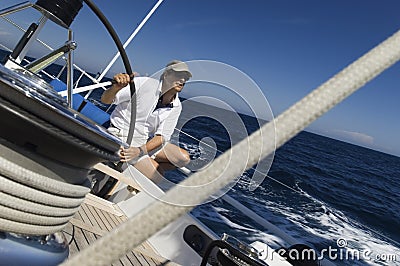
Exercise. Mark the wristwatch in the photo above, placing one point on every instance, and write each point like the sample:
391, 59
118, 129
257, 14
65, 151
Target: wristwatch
141, 152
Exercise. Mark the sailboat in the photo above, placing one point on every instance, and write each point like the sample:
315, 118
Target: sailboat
45, 192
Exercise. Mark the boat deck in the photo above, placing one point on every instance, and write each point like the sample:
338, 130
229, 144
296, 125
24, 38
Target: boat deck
96, 218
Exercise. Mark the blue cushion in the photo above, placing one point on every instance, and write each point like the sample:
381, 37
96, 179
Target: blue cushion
89, 110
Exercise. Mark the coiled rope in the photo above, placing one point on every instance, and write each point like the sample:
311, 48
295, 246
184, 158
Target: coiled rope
33, 203
139, 228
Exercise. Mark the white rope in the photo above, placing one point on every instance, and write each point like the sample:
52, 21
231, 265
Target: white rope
139, 228
27, 206
22, 217
21, 174
33, 194
33, 221
29, 229
33, 203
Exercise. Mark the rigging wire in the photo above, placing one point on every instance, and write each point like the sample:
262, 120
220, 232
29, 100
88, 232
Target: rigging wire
255, 170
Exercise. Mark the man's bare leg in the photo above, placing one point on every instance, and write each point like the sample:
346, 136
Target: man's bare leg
150, 169
168, 158
171, 157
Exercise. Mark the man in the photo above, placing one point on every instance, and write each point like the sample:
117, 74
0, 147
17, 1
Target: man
157, 112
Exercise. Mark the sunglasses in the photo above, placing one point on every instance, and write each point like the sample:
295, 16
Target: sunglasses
180, 75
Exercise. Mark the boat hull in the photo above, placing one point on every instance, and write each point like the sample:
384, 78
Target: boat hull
37, 251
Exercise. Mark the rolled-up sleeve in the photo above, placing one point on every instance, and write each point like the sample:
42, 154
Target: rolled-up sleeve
123, 95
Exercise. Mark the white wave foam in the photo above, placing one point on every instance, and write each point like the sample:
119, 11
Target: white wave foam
321, 229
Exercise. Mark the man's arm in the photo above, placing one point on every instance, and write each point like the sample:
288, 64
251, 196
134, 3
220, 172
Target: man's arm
154, 143
120, 81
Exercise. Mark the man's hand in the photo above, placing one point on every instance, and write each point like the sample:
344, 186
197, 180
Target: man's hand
130, 153
119, 81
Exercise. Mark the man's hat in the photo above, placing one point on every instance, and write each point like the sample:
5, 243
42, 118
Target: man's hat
178, 66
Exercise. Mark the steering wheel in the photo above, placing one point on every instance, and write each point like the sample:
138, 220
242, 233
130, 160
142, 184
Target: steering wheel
125, 60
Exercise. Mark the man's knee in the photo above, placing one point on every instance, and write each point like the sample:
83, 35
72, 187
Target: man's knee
185, 158
174, 155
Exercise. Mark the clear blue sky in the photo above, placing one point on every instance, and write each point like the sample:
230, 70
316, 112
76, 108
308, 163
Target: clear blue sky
287, 47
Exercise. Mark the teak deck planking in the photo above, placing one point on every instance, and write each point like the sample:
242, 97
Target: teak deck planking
97, 217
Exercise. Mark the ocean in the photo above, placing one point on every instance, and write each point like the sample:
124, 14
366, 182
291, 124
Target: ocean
326, 193
334, 194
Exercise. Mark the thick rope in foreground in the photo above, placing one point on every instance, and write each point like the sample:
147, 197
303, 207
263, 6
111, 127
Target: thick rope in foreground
137, 229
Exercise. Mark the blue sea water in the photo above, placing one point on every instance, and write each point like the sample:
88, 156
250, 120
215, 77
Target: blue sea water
318, 190
333, 191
